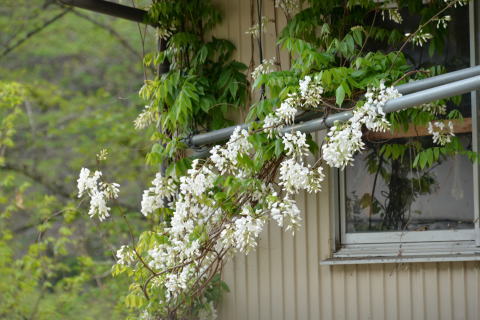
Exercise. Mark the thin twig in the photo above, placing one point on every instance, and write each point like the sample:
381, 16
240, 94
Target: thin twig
114, 33
34, 32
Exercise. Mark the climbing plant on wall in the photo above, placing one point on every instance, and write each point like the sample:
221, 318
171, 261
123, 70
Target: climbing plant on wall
205, 210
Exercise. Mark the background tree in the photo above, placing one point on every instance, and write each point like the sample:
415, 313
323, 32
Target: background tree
68, 90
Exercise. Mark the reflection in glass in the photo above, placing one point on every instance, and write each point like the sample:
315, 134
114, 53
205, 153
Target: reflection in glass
406, 199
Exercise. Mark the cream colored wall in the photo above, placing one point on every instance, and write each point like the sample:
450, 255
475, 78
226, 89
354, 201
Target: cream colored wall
283, 278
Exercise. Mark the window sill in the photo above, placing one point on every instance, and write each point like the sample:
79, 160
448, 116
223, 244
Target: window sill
405, 253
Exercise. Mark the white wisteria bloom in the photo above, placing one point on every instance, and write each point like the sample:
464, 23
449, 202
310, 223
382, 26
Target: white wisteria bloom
309, 96
433, 108
286, 112
125, 256
371, 113
295, 143
419, 38
315, 179
86, 181
144, 119
443, 22
441, 133
247, 230
285, 212
293, 176
98, 191
393, 15
153, 198
110, 190
456, 2
343, 140
255, 29
197, 181
311, 92
303, 85
289, 6
267, 66
225, 158
98, 206
208, 312
271, 123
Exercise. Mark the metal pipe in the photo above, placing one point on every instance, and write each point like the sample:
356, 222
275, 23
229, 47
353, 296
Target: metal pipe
110, 8
439, 80
403, 102
406, 101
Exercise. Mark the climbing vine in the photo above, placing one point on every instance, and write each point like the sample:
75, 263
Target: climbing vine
203, 210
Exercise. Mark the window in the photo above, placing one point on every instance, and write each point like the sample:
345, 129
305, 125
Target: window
385, 211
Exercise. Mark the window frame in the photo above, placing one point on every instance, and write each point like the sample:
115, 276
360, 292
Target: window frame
411, 246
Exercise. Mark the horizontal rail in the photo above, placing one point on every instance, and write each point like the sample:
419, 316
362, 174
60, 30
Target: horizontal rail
110, 8
403, 102
417, 92
439, 80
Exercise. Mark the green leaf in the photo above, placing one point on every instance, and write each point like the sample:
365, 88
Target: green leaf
340, 95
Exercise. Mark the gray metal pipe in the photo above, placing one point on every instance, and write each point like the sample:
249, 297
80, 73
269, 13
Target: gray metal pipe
109, 8
403, 102
439, 80
415, 89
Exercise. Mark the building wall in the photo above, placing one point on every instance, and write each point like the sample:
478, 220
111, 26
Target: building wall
283, 278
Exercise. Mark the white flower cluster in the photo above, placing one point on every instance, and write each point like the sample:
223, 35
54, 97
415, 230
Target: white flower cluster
153, 198
285, 213
283, 115
195, 212
294, 175
345, 139
441, 133
393, 15
443, 22
98, 191
125, 256
419, 38
208, 312
456, 2
247, 229
255, 29
310, 92
289, 6
433, 108
267, 66
181, 258
309, 95
295, 143
165, 32
144, 119
225, 158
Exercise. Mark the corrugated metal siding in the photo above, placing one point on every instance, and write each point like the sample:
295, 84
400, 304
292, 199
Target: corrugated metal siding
283, 278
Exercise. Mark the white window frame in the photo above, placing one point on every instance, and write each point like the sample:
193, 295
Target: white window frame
411, 246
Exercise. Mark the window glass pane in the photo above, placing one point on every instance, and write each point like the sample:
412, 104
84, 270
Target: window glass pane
405, 199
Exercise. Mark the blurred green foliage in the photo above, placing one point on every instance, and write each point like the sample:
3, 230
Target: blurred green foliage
66, 92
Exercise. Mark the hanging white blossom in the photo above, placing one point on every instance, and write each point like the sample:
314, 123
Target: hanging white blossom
441, 133
267, 66
295, 144
311, 92
255, 29
344, 140
433, 108
98, 191
144, 119
153, 198
289, 6
125, 255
